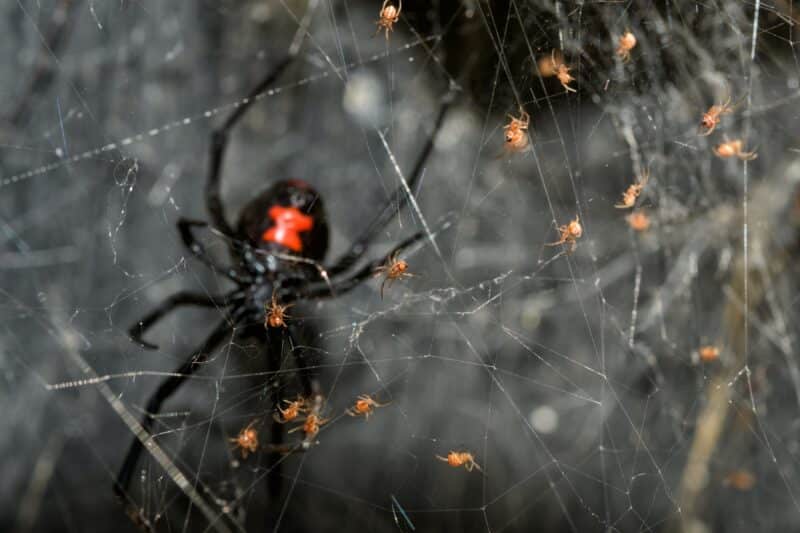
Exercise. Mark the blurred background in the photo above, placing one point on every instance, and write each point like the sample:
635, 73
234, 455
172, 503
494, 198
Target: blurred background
646, 381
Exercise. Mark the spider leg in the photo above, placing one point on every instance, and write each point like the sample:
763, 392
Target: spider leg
164, 391
174, 301
274, 351
311, 389
308, 382
342, 285
385, 214
219, 142
275, 341
387, 281
197, 249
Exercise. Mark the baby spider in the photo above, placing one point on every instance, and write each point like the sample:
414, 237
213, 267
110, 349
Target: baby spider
292, 411
394, 269
311, 426
246, 440
632, 192
516, 136
711, 117
555, 66
276, 314
708, 354
638, 221
388, 16
734, 149
456, 459
570, 233
739, 480
627, 42
364, 406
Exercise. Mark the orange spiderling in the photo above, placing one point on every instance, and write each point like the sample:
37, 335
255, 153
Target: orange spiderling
276, 314
712, 117
570, 233
247, 440
364, 406
548, 64
708, 353
516, 132
394, 269
388, 16
638, 221
565, 77
555, 66
457, 459
292, 410
735, 148
311, 425
740, 480
632, 192
626, 43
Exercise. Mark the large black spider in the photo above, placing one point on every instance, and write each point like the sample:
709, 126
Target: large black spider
277, 247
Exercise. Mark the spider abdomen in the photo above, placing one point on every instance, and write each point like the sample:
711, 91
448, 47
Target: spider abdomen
287, 225
290, 217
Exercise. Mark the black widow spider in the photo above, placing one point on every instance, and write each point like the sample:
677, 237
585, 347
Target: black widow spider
277, 246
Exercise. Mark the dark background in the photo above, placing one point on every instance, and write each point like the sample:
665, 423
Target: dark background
572, 378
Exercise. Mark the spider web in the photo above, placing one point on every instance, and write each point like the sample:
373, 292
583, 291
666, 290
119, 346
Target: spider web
574, 379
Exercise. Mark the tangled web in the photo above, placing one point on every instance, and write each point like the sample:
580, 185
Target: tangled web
639, 376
